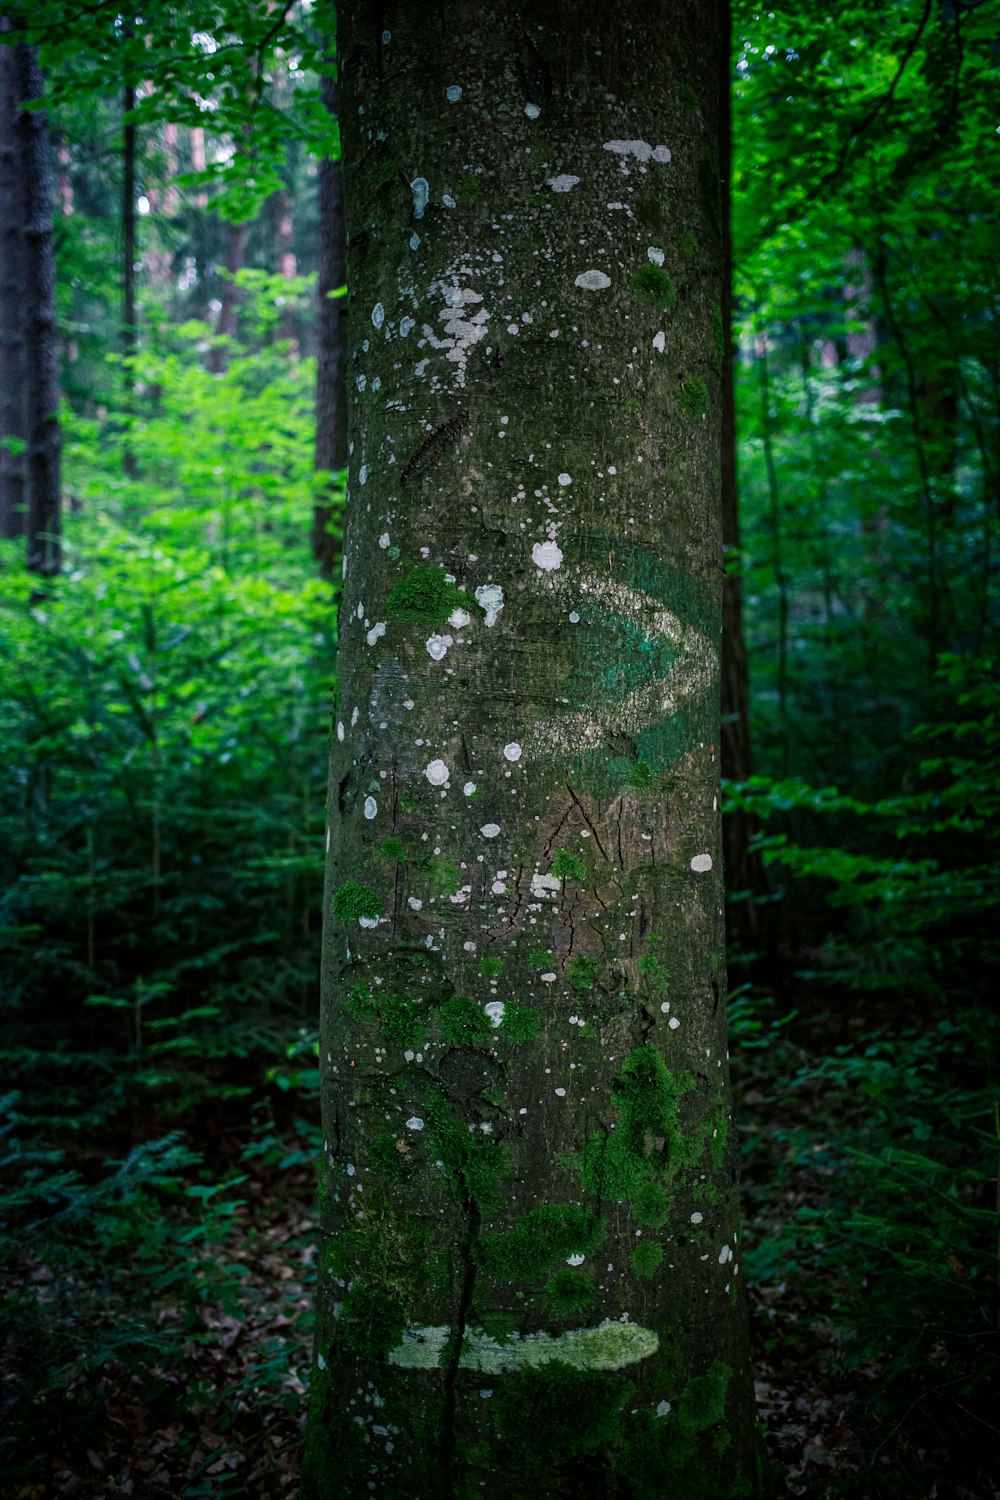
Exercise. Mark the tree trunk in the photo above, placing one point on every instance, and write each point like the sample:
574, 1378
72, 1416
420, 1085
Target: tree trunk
530, 1282
331, 351
41, 344
128, 276
12, 372
228, 319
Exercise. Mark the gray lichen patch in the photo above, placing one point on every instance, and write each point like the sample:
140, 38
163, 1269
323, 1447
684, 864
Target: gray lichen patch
609, 1346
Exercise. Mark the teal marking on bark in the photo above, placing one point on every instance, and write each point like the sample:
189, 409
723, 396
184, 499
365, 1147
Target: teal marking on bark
426, 596
609, 1346
354, 902
652, 284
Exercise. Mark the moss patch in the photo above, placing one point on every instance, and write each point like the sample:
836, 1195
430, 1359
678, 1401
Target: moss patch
353, 901
491, 967
648, 1143
360, 1003
541, 958
472, 1162
464, 1021
555, 1412
539, 1240
568, 866
401, 1021
653, 971
650, 1205
652, 284
445, 873
646, 1259
371, 1321
426, 596
392, 849
581, 974
519, 1023
693, 397
569, 1291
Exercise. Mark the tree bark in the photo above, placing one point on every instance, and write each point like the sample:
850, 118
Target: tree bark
41, 343
228, 319
128, 276
13, 415
530, 1281
331, 350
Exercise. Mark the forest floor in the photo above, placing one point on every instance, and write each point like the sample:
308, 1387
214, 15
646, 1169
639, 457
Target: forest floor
228, 1419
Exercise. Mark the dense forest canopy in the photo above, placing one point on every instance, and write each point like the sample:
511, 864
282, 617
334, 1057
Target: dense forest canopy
171, 265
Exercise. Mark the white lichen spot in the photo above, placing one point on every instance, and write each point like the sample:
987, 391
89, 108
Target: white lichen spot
384, 540
575, 1260
545, 886
406, 327
340, 731
673, 1023
459, 618
547, 556
593, 281
532, 111
560, 1093
368, 921
437, 773
469, 788
642, 151
378, 315
371, 808
421, 190
363, 474
512, 751
655, 254
453, 93
701, 864
725, 1255
662, 1408
414, 1123
697, 1218
659, 341
495, 1010
437, 646
489, 596
376, 632
414, 902
414, 241
563, 183
321, 1362
547, 978
574, 617
448, 201
565, 479
490, 830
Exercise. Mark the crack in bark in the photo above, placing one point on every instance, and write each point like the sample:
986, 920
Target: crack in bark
586, 819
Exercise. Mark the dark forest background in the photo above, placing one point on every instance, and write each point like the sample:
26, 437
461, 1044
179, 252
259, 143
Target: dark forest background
171, 262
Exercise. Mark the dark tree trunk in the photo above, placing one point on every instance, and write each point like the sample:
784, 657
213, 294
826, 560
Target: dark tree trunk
13, 414
41, 339
331, 349
530, 1282
128, 276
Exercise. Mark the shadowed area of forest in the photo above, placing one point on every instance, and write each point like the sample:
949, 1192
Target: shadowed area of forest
169, 575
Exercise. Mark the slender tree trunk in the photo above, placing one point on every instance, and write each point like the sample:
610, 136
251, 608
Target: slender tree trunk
331, 351
530, 1283
41, 338
13, 415
128, 276
228, 319
777, 540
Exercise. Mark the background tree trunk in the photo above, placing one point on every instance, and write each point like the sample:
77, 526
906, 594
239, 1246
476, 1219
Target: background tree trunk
128, 275
331, 349
530, 1280
41, 343
12, 372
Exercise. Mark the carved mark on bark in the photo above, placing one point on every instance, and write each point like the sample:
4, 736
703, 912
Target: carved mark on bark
434, 446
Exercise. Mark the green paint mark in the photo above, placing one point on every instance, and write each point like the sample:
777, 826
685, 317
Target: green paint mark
472, 1162
568, 866
610, 1346
652, 284
353, 901
519, 1022
392, 849
693, 397
539, 1240
647, 1259
464, 1021
581, 974
426, 596
490, 966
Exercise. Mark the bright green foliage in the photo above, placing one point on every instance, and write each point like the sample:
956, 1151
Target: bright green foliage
352, 901
519, 1023
425, 596
539, 1241
652, 284
568, 866
464, 1021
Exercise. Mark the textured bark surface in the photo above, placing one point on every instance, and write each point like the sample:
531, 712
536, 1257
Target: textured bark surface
530, 1281
12, 408
331, 347
41, 344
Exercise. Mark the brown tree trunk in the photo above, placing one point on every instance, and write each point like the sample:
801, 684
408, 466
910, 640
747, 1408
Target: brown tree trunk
41, 339
530, 1282
13, 413
331, 350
